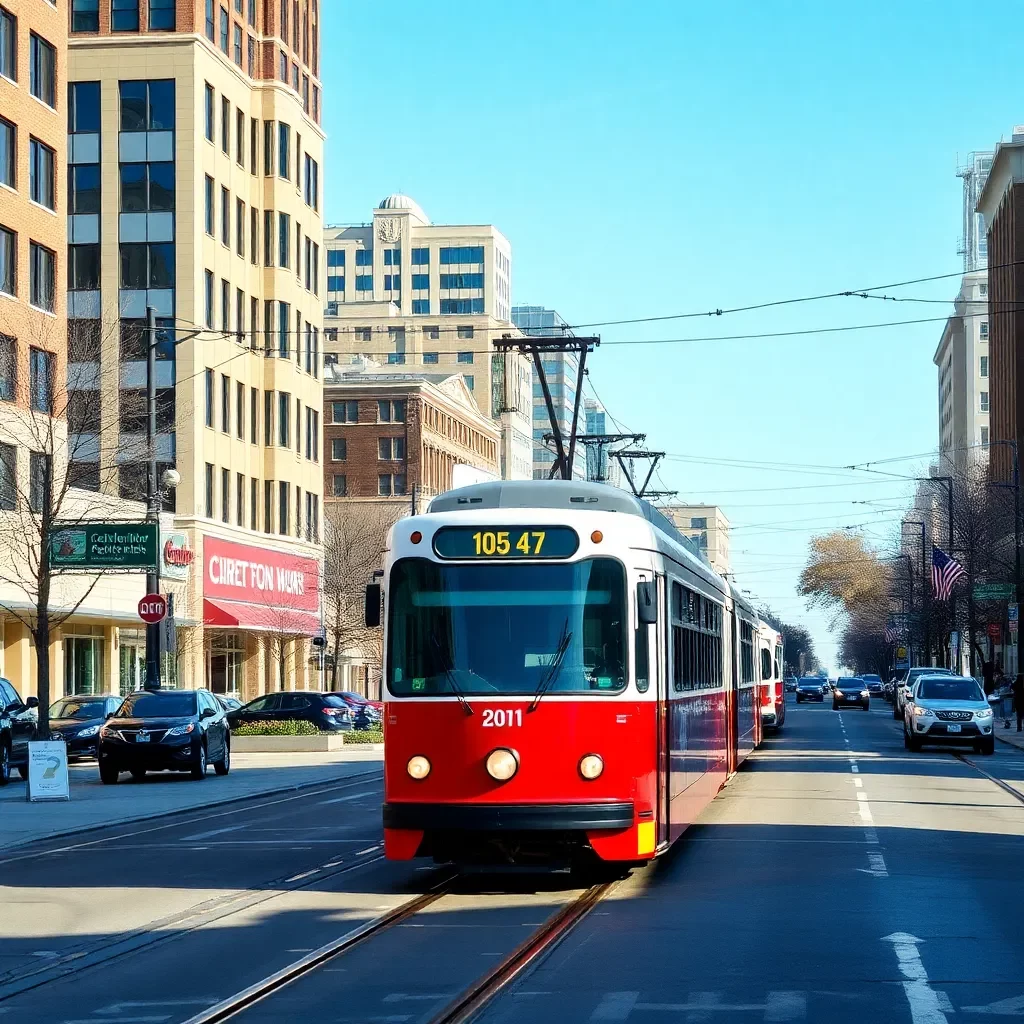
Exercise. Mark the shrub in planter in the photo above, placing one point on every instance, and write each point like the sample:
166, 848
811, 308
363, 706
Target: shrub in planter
276, 729
364, 736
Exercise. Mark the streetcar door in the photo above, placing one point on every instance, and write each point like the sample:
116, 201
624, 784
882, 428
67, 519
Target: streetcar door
732, 701
664, 759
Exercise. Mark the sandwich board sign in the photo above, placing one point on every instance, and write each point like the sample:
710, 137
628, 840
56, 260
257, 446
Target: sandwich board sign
47, 771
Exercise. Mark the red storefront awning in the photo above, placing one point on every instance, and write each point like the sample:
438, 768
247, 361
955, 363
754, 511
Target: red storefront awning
236, 615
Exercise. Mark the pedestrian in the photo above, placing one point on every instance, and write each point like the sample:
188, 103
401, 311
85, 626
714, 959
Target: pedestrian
988, 674
1018, 700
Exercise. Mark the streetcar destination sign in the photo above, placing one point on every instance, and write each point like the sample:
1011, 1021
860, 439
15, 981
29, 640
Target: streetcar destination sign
105, 546
506, 542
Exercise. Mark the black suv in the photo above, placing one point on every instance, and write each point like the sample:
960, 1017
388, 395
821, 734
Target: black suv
165, 730
326, 711
17, 728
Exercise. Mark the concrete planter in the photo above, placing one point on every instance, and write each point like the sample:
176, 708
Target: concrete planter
286, 744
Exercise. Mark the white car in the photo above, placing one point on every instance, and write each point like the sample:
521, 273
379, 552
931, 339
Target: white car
903, 685
948, 709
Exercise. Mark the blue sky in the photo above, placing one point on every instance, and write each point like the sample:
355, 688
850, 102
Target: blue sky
669, 157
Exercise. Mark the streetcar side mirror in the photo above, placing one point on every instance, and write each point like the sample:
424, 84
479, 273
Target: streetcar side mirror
646, 606
372, 607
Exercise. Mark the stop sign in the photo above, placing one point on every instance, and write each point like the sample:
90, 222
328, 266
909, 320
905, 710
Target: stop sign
152, 608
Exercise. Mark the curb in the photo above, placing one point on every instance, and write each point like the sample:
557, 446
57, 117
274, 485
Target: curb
135, 818
1008, 742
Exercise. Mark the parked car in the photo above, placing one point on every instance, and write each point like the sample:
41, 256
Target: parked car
905, 682
948, 709
165, 730
326, 711
791, 684
364, 714
79, 720
810, 688
228, 703
17, 728
851, 692
350, 695
874, 684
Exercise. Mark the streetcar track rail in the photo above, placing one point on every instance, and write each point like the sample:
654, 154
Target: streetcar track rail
280, 979
1001, 783
523, 958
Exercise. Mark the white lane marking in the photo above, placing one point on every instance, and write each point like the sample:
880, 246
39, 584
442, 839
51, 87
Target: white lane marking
783, 1006
345, 799
1012, 1007
858, 783
411, 997
862, 796
212, 832
877, 866
615, 1006
369, 849
922, 998
703, 1003
871, 836
945, 1003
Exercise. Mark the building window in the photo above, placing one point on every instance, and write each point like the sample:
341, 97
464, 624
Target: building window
84, 187
429, 357
253, 504
283, 507
391, 412
284, 408
396, 358
284, 240
8, 151
225, 216
284, 139
268, 506
983, 395
470, 381
208, 112
240, 499
421, 306
339, 449
161, 15
145, 188
312, 183
449, 281
225, 124
254, 236
364, 282
392, 257
392, 282
984, 329
225, 403
42, 262
461, 254
209, 205
210, 27
8, 477
254, 403
984, 437
147, 106
225, 305
85, 15
283, 314
461, 306
147, 265
345, 412
390, 449
8, 367
83, 267
225, 496
420, 257
420, 282
390, 484
124, 15
209, 490
40, 368
465, 332
339, 484
984, 366
240, 228
364, 257
209, 397
237, 47
39, 472
465, 357
42, 70
335, 283
335, 257
209, 299
8, 261
224, 30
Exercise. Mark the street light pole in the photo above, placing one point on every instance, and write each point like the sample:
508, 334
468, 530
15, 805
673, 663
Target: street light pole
948, 481
152, 500
925, 601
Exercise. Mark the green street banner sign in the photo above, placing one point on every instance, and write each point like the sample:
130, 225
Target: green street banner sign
993, 591
105, 546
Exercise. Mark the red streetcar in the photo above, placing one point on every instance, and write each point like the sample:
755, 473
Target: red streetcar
563, 673
773, 685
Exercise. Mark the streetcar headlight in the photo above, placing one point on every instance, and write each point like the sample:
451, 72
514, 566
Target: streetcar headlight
502, 764
591, 766
418, 767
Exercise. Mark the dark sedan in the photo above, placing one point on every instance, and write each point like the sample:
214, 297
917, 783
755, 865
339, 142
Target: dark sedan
364, 714
79, 720
810, 689
875, 686
851, 692
165, 730
324, 710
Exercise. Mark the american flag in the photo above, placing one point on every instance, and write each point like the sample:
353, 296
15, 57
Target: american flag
945, 572
892, 634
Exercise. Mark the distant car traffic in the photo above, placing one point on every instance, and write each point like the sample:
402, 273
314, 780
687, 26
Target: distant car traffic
165, 730
850, 692
79, 720
324, 710
905, 682
17, 728
874, 684
810, 688
948, 709
791, 684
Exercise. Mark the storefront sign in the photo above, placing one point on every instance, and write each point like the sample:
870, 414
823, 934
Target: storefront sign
105, 546
993, 591
260, 588
176, 556
995, 632
48, 771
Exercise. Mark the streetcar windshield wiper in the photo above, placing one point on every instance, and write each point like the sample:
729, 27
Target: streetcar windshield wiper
554, 667
449, 674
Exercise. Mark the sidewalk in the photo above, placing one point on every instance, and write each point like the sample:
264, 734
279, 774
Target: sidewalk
94, 805
1011, 736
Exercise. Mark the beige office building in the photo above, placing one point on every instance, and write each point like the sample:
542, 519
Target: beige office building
708, 526
195, 154
411, 294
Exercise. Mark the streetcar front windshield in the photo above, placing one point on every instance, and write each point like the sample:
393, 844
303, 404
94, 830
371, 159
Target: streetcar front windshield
491, 628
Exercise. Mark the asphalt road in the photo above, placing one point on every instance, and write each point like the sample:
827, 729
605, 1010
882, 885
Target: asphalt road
837, 878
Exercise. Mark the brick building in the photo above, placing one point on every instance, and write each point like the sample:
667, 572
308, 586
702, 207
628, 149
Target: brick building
1002, 205
388, 434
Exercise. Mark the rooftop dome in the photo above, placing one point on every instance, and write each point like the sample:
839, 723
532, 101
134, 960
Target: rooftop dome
400, 201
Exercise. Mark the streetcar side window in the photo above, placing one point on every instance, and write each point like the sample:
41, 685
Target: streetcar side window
643, 676
696, 641
766, 665
746, 652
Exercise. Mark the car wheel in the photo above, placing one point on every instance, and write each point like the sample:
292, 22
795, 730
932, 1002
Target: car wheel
906, 740
988, 746
835, 706
867, 706
138, 774
23, 772
895, 711
199, 768
915, 743
108, 774
5, 763
224, 766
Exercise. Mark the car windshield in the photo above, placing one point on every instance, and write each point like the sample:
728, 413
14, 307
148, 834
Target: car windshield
171, 704
872, 679
78, 707
949, 689
335, 701
850, 682
499, 628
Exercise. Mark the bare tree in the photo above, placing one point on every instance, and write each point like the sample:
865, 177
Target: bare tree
355, 535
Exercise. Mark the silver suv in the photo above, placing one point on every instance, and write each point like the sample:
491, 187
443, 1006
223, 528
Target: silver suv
905, 683
948, 709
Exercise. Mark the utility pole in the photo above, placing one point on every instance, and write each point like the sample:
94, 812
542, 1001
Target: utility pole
152, 500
